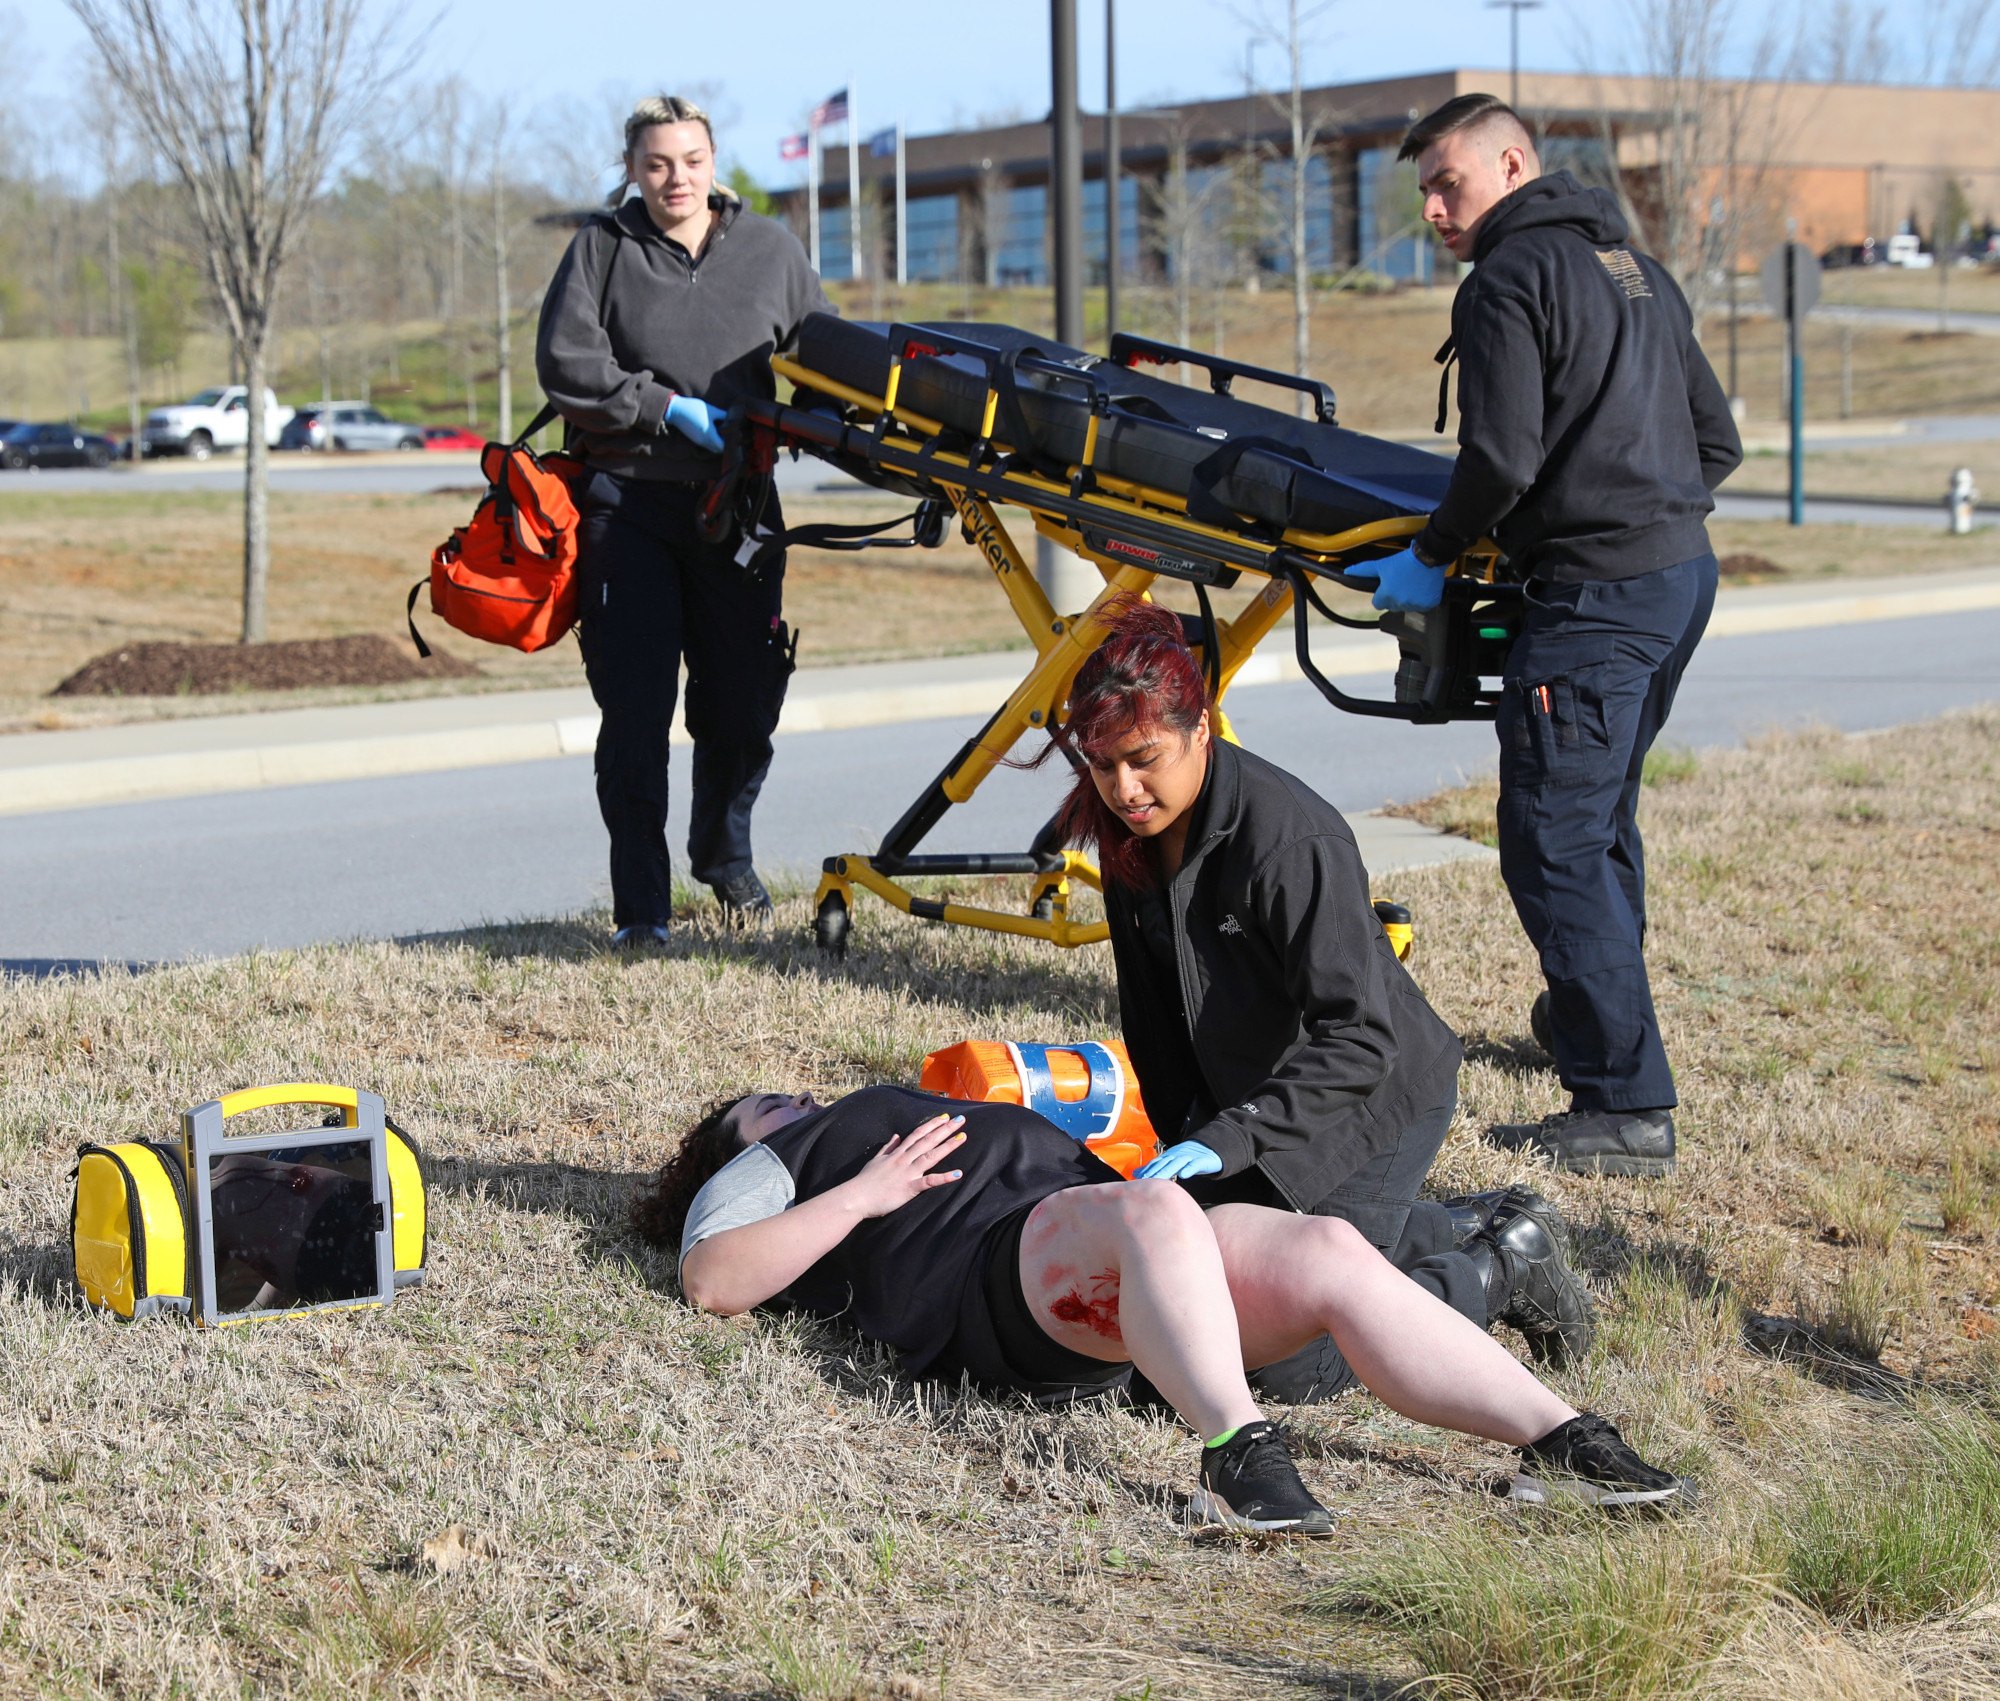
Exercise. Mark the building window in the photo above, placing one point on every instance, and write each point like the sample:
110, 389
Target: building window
835, 255
1275, 254
932, 223
1093, 227
1394, 240
1022, 248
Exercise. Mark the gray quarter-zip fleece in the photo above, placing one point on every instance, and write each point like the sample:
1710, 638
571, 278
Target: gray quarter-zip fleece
631, 318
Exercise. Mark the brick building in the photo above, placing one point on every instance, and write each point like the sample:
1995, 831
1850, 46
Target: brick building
1202, 183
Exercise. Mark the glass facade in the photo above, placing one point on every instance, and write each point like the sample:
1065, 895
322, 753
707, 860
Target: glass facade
834, 258
1393, 238
1022, 240
1276, 250
1093, 227
932, 225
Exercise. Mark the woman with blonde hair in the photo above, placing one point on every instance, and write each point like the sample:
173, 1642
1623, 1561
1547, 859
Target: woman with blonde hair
664, 314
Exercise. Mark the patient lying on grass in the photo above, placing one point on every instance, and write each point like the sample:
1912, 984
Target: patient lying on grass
979, 1239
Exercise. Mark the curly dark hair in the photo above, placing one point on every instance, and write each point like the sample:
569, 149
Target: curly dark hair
660, 1210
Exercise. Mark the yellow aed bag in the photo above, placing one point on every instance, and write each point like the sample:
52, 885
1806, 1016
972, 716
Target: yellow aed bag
232, 1227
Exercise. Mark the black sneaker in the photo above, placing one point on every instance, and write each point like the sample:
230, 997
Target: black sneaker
1529, 1284
1596, 1142
743, 898
1587, 1460
1250, 1483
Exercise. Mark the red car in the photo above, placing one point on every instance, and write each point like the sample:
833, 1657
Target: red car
452, 437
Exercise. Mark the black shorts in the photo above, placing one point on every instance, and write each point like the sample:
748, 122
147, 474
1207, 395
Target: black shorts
999, 1344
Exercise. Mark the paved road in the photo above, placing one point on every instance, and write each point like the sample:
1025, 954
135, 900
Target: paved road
406, 856
373, 475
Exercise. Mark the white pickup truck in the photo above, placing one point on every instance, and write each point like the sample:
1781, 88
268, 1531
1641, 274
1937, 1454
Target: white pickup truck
211, 420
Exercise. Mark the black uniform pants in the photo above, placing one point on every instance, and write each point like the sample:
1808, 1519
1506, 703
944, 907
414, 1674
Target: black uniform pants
1413, 1234
650, 594
1589, 684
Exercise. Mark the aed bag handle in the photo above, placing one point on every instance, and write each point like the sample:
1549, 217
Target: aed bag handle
321, 1093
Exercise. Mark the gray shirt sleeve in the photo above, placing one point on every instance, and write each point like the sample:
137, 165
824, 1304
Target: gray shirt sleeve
753, 1185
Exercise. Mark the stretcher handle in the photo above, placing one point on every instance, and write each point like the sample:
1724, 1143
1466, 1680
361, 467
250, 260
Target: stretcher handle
1128, 350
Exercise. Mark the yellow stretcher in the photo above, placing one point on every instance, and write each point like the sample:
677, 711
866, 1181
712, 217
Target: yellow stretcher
1135, 534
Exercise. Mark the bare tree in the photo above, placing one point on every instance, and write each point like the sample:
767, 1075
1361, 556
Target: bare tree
1307, 126
244, 101
1958, 43
1699, 169
1182, 216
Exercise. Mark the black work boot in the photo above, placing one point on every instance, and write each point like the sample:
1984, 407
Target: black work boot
1596, 1142
1529, 1284
743, 898
1473, 1213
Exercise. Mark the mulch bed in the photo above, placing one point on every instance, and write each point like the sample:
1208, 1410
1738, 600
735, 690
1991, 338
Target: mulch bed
200, 670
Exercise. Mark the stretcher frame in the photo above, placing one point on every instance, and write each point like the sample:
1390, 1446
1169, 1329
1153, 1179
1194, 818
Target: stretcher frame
1134, 534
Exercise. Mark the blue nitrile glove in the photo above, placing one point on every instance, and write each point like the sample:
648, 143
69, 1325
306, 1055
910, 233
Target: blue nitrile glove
697, 421
1403, 584
1177, 1163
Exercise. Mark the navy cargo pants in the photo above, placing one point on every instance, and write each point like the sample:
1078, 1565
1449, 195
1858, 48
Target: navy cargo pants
1588, 686
650, 592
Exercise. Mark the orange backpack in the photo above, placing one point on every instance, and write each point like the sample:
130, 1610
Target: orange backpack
509, 575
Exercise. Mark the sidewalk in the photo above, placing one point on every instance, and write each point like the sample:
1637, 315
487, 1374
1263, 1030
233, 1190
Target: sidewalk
43, 771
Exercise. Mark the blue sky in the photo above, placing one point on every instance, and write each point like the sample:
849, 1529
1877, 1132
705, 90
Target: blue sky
934, 66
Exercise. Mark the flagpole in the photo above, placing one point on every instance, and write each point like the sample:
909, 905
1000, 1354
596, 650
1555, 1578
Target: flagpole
854, 267
902, 214
812, 191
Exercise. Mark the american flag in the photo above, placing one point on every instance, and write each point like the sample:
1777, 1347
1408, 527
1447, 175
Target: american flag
832, 110
793, 147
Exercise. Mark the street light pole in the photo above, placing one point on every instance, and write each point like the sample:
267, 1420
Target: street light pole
1111, 162
1068, 583
1514, 9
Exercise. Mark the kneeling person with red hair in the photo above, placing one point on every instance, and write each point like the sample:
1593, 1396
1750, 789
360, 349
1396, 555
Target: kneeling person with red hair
1029, 1265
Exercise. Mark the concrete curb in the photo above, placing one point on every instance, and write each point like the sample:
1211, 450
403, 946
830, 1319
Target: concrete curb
81, 769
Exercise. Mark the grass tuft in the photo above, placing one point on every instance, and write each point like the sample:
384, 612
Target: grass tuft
1891, 1542
1632, 1612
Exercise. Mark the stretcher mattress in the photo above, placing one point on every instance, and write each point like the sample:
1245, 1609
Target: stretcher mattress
1290, 473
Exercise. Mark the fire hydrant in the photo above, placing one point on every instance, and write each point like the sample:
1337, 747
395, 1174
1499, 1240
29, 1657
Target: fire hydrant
1960, 498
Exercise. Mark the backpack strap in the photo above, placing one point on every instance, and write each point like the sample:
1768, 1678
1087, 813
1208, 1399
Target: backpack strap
410, 615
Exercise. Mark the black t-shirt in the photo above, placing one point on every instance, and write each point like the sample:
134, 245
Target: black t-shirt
900, 1279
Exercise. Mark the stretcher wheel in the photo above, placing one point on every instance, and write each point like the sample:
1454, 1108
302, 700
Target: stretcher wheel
830, 925
1044, 908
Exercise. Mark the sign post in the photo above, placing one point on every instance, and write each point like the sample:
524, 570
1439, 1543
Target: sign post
1790, 278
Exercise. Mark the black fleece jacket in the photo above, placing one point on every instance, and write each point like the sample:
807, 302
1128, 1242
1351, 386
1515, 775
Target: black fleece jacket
1298, 1043
1591, 427
632, 318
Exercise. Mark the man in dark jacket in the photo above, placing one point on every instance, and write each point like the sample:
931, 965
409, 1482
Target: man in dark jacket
1591, 435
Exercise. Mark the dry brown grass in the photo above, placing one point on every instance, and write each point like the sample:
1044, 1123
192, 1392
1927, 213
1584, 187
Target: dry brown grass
675, 1504
87, 572
1907, 472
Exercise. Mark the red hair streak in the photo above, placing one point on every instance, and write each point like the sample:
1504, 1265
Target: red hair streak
1142, 675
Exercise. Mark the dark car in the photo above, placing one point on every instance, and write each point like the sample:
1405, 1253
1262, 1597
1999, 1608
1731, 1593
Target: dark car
31, 445
1862, 253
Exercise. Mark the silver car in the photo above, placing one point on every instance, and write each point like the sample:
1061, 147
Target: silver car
356, 425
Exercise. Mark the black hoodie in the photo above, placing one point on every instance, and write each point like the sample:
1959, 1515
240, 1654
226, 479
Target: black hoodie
1288, 1037
1591, 427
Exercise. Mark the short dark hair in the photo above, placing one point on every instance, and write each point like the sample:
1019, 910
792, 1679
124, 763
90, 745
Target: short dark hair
1457, 114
